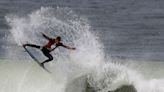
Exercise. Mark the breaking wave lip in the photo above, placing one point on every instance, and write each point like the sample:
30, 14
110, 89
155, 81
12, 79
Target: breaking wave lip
114, 78
82, 85
84, 70
103, 80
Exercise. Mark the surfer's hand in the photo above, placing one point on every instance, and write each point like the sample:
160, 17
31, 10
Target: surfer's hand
73, 48
41, 33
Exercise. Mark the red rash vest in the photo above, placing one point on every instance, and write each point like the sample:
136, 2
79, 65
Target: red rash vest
50, 43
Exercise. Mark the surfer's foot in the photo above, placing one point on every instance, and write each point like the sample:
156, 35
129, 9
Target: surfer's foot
24, 45
42, 64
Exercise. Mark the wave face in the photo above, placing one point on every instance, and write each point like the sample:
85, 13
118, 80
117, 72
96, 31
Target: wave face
83, 70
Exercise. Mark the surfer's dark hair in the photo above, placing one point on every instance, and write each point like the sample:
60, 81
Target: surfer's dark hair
58, 38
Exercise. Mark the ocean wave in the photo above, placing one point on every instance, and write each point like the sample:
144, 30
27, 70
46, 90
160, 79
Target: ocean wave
84, 70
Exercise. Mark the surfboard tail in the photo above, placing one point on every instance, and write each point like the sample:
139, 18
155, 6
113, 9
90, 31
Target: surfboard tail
34, 58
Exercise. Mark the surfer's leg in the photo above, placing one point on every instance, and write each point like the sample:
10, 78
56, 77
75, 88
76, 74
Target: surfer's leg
47, 54
32, 45
50, 58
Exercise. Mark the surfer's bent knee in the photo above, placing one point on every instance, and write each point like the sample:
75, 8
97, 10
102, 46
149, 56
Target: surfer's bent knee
51, 58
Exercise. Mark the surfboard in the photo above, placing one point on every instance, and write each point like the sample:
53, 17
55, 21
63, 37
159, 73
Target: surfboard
35, 59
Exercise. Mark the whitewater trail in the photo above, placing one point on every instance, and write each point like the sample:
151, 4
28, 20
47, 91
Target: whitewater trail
83, 70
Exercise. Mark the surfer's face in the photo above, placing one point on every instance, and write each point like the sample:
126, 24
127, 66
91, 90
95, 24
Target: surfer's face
57, 41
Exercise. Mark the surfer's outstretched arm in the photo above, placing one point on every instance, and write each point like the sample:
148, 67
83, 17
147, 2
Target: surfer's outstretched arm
67, 47
48, 38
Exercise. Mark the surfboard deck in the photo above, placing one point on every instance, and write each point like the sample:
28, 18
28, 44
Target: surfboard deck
35, 59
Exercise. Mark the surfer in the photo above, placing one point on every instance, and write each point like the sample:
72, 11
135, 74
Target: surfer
46, 49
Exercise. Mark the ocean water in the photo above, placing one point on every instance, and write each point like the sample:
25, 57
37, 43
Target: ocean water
119, 45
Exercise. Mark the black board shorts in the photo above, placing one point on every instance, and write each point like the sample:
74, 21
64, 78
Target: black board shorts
46, 52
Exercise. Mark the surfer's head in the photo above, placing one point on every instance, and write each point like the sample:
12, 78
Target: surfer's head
57, 39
